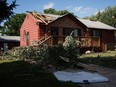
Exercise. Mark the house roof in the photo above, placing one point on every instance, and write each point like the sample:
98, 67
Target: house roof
96, 24
10, 38
49, 18
45, 18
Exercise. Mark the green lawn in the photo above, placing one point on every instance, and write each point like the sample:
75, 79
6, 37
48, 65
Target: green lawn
22, 74
107, 59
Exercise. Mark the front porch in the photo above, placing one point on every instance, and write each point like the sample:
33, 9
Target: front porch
82, 42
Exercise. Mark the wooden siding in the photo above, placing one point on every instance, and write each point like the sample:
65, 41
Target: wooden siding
32, 27
66, 22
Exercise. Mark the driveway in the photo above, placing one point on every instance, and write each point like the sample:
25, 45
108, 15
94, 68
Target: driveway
107, 72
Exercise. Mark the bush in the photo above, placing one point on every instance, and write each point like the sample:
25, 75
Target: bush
48, 55
54, 53
30, 52
70, 47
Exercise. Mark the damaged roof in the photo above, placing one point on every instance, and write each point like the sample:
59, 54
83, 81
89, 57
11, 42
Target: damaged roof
48, 18
45, 18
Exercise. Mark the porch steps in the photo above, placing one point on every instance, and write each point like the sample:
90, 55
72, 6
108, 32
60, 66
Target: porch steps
43, 40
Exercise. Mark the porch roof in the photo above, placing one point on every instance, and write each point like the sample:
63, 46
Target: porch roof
96, 24
9, 38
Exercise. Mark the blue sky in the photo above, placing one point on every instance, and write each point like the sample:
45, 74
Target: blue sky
81, 8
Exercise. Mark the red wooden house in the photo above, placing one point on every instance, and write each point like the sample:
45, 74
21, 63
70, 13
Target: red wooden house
52, 29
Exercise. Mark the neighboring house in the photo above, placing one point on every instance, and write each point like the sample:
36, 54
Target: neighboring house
52, 29
8, 42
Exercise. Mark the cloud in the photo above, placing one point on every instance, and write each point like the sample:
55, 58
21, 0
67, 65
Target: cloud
78, 9
84, 10
48, 5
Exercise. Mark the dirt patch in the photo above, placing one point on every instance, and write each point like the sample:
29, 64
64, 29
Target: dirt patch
107, 72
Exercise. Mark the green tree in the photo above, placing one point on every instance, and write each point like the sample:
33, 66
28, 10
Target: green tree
12, 26
53, 11
6, 10
108, 16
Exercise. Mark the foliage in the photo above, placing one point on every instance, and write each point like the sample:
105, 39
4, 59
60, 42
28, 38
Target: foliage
54, 53
48, 54
70, 49
53, 11
11, 27
30, 52
107, 16
69, 43
6, 10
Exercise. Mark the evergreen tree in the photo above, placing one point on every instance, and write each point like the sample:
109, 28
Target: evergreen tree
6, 10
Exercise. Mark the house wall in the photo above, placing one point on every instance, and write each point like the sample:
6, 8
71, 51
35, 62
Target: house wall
10, 45
65, 22
109, 37
31, 26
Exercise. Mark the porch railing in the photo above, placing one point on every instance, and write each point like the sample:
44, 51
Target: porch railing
81, 41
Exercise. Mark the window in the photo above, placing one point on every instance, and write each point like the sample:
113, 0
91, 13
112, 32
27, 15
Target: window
75, 32
24, 35
54, 31
5, 47
95, 33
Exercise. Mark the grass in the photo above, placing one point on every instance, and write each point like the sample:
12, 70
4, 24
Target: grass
21, 74
107, 59
101, 54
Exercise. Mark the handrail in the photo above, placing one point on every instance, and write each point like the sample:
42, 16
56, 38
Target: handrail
41, 39
45, 40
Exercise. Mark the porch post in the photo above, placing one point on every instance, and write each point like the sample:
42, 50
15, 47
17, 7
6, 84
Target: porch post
60, 34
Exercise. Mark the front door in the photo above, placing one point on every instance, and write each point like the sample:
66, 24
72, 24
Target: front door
54, 32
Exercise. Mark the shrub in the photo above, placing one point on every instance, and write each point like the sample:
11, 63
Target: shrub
30, 52
48, 55
70, 47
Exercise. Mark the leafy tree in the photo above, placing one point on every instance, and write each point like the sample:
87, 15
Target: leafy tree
108, 16
53, 11
6, 10
12, 26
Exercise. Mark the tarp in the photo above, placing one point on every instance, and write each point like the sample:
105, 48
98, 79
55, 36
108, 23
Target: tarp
80, 77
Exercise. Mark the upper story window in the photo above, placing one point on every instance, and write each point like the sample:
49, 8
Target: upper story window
96, 33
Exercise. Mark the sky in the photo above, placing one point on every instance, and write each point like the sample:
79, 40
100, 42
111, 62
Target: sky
80, 8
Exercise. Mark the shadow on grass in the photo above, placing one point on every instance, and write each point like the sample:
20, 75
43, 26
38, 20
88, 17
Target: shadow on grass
103, 61
18, 74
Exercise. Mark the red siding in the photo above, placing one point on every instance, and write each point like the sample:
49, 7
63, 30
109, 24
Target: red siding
30, 25
108, 36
